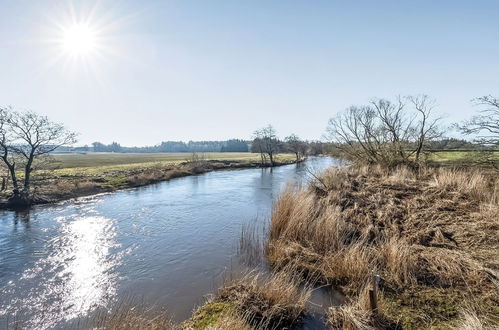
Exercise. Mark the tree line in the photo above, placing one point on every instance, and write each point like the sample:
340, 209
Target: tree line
232, 145
291, 144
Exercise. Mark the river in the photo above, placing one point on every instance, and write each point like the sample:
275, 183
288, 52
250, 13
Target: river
167, 244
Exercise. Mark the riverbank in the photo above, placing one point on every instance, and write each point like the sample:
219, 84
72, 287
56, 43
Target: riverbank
431, 235
59, 184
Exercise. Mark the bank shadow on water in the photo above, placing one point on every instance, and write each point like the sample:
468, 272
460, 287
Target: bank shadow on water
170, 244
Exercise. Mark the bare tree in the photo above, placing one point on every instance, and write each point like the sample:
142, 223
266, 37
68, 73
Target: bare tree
257, 146
7, 154
317, 147
356, 134
394, 126
296, 146
384, 132
267, 143
427, 127
486, 124
28, 136
485, 127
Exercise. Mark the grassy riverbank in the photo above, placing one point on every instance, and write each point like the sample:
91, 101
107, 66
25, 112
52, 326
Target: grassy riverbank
75, 175
432, 235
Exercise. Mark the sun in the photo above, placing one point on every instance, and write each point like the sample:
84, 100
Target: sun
79, 40
84, 38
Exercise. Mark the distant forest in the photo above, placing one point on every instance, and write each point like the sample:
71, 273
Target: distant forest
238, 145
233, 145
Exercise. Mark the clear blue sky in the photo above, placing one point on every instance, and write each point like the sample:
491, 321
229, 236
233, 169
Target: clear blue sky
180, 70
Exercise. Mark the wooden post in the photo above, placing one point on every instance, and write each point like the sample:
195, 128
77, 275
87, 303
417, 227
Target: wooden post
373, 294
373, 302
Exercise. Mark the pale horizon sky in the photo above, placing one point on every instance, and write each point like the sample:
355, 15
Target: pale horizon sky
213, 70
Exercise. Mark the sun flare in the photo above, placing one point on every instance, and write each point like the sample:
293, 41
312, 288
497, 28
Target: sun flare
79, 40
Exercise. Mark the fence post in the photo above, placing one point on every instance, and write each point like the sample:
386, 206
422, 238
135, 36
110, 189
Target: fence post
373, 293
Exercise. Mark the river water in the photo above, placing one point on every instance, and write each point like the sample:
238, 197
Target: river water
167, 244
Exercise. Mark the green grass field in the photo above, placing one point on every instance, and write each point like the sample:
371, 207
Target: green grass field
92, 159
95, 164
100, 163
456, 157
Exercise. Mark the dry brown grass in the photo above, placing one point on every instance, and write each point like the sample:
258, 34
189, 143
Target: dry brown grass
64, 188
435, 228
154, 175
267, 302
258, 301
230, 321
469, 320
349, 317
127, 317
356, 313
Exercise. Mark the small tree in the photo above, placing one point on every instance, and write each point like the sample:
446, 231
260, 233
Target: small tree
267, 143
316, 148
385, 132
257, 146
296, 146
28, 136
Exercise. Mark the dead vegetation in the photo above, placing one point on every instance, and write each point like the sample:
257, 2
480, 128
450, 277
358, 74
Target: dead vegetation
128, 318
432, 234
257, 301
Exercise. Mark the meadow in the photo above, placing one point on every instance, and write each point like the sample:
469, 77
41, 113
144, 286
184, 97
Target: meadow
457, 158
67, 176
99, 159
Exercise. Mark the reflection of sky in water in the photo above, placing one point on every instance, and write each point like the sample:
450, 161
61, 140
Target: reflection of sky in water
168, 244
80, 263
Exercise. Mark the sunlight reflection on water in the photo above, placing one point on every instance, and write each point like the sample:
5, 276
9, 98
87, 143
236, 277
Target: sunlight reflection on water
81, 265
